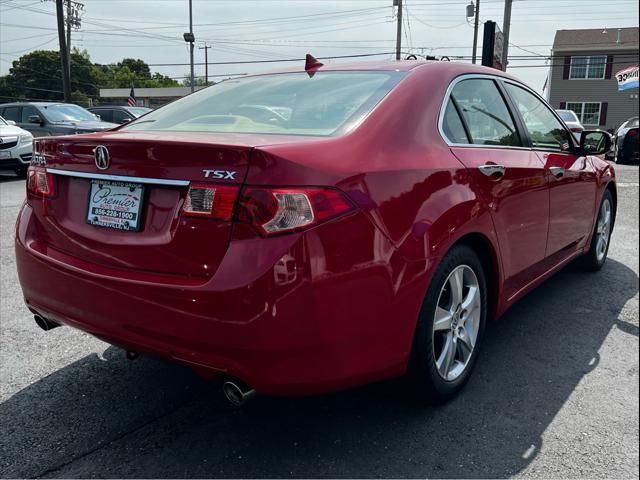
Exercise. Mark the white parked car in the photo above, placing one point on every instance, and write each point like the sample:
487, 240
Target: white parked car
16, 147
572, 121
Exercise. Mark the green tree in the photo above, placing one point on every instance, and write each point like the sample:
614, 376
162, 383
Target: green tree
138, 67
38, 75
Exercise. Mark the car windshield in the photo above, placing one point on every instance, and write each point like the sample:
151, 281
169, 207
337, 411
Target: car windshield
137, 111
292, 104
3, 122
67, 113
567, 115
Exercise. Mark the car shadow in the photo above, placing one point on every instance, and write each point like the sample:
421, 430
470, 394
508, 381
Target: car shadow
104, 416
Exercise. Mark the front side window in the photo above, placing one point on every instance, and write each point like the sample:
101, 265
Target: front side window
588, 67
287, 104
545, 130
587, 112
120, 117
485, 113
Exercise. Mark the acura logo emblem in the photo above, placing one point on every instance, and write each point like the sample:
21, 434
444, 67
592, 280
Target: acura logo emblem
102, 157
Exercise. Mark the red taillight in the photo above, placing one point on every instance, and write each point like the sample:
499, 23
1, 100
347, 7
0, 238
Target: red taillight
211, 201
577, 129
277, 210
39, 182
632, 133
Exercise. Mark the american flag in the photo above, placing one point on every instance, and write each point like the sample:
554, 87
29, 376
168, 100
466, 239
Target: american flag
131, 101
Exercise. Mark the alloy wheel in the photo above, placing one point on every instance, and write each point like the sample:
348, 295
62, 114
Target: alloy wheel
603, 229
456, 322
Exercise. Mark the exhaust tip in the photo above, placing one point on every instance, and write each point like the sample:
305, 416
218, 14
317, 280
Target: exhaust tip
132, 355
44, 323
235, 394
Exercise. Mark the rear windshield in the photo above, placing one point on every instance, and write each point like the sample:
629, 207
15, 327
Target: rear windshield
567, 115
293, 104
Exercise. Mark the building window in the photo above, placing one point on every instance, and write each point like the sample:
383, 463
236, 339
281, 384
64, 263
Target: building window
588, 67
587, 112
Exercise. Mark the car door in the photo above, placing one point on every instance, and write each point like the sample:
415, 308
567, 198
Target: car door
486, 137
571, 177
36, 129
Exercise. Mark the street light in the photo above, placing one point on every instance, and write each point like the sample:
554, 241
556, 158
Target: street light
474, 11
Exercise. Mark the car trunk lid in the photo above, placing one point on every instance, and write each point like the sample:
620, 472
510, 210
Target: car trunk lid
155, 169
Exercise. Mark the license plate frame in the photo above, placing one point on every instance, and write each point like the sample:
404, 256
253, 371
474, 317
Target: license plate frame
109, 205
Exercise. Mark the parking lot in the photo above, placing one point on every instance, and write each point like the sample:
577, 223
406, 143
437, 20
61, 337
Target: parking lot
555, 394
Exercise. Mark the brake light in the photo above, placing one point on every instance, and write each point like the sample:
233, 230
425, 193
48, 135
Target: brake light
632, 133
211, 201
577, 129
39, 182
278, 210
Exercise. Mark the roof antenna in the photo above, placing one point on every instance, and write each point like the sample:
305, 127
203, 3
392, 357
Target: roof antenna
311, 64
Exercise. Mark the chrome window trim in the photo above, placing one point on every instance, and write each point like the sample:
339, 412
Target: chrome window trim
499, 78
119, 178
455, 81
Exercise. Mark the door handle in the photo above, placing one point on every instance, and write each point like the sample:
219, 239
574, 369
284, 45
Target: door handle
556, 171
493, 170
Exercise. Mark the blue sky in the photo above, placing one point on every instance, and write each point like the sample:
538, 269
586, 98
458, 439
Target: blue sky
247, 30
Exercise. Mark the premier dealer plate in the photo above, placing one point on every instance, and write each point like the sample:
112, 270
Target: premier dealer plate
115, 205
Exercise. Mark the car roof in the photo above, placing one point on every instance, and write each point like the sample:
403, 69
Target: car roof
456, 68
37, 104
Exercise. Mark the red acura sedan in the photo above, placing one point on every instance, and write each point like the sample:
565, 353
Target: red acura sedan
314, 229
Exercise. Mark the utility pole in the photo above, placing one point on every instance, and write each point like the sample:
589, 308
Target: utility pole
206, 63
506, 27
191, 43
475, 31
398, 3
64, 59
69, 10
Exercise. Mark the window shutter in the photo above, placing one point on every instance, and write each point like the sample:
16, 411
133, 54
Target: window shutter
567, 68
603, 113
609, 69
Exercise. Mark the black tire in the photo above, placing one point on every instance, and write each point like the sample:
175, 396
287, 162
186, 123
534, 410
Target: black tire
595, 259
424, 376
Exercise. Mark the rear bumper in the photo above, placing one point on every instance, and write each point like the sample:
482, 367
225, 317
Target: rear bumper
332, 315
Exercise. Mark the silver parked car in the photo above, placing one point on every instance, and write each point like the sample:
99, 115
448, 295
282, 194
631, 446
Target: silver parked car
16, 147
572, 121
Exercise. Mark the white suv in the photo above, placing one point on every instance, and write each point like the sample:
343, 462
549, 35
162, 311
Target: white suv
16, 147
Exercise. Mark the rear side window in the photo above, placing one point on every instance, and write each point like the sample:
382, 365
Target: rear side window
12, 113
452, 125
105, 115
545, 130
485, 113
322, 104
28, 111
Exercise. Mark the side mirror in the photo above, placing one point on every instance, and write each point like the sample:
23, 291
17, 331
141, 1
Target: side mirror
11, 122
595, 142
36, 119
97, 115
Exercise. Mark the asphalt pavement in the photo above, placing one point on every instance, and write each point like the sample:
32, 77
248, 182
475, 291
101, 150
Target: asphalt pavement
554, 394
